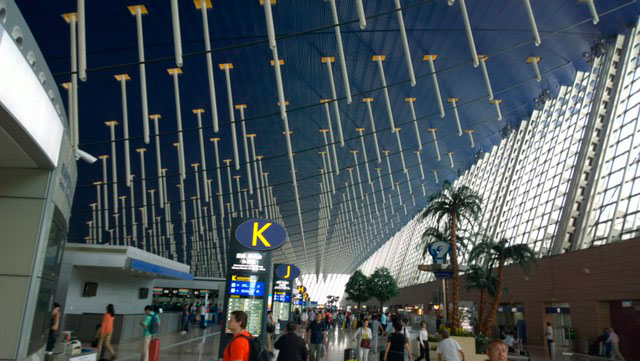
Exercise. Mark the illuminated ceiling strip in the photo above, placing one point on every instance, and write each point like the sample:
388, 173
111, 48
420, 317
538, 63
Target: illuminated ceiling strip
177, 38
236, 158
208, 56
379, 59
454, 102
405, 43
174, 72
373, 127
485, 74
137, 11
415, 120
532, 21
431, 58
241, 108
155, 118
203, 159
336, 106
467, 28
343, 62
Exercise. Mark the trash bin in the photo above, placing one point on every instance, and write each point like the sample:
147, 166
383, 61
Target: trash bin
350, 354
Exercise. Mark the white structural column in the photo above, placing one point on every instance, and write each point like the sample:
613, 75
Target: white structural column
485, 74
174, 72
534, 60
334, 100
435, 175
418, 153
198, 208
410, 101
138, 11
114, 166
183, 210
230, 183
219, 178
364, 154
470, 133
378, 170
177, 38
99, 228
362, 18
156, 128
203, 159
239, 194
134, 224
203, 6
122, 78
467, 28
355, 161
399, 140
256, 174
454, 104
82, 40
241, 108
405, 43
330, 128
374, 132
105, 190
379, 59
125, 240
532, 22
143, 178
226, 67
155, 245
386, 155
430, 58
343, 62
497, 103
451, 158
435, 141
72, 19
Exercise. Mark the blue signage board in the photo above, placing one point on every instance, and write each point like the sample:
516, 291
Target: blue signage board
247, 288
261, 234
282, 297
443, 274
287, 271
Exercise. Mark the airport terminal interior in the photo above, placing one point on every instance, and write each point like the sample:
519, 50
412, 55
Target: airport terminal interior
451, 180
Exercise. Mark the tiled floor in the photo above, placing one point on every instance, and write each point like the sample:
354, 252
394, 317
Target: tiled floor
203, 346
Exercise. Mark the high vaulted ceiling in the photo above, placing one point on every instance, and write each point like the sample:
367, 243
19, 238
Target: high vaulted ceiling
305, 34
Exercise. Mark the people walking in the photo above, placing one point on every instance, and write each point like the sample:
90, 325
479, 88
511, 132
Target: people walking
304, 319
423, 338
317, 337
449, 349
397, 344
150, 324
549, 335
363, 338
106, 330
239, 348
614, 340
54, 323
292, 347
378, 331
184, 329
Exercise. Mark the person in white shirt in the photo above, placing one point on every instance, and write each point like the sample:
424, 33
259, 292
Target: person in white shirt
615, 340
549, 335
304, 318
449, 349
363, 338
423, 337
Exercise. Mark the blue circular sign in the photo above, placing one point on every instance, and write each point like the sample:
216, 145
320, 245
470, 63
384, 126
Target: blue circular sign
261, 234
287, 271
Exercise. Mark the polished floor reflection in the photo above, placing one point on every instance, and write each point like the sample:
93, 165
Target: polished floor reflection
200, 345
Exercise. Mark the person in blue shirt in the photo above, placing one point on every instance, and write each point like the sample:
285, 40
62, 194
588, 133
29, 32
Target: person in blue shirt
317, 337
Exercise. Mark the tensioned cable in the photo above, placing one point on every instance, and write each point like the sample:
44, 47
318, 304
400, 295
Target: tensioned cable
289, 110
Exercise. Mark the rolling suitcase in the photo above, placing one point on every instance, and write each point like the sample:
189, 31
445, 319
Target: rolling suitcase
154, 349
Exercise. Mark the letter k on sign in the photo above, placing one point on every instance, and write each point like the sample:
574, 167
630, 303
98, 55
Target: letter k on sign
257, 233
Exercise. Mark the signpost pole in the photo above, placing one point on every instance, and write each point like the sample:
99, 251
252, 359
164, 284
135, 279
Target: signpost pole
444, 298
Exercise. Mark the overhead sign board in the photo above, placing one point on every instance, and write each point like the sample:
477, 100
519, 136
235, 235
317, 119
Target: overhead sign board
287, 271
261, 234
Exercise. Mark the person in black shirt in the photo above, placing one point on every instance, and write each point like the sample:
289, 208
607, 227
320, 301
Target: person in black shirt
396, 344
317, 336
292, 347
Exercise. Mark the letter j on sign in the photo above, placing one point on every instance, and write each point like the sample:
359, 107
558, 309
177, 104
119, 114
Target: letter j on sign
261, 234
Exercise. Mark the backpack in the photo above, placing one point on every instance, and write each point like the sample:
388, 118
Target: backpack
154, 324
257, 352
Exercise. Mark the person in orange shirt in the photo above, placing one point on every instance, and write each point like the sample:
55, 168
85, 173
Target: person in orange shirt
238, 349
106, 330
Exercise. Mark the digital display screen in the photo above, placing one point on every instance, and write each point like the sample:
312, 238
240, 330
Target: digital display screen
279, 297
183, 291
252, 307
157, 290
240, 288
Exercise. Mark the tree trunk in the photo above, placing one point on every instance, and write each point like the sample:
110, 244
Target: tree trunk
496, 300
381, 306
455, 299
359, 304
447, 298
483, 303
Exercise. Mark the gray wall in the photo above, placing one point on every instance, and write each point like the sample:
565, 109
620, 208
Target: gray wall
119, 288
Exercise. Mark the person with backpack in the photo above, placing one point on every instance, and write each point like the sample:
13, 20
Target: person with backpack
239, 349
151, 325
292, 347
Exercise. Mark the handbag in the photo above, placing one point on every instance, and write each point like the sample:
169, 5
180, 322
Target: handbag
365, 343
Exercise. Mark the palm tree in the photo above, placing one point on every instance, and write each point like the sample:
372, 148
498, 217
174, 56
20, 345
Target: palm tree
501, 253
483, 280
456, 204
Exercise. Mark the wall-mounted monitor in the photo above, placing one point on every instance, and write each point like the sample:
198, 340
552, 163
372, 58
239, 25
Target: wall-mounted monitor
144, 293
90, 289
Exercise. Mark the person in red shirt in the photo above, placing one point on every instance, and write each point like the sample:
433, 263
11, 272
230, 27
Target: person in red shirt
238, 349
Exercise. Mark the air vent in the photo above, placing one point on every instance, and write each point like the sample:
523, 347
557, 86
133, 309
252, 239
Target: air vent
16, 34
